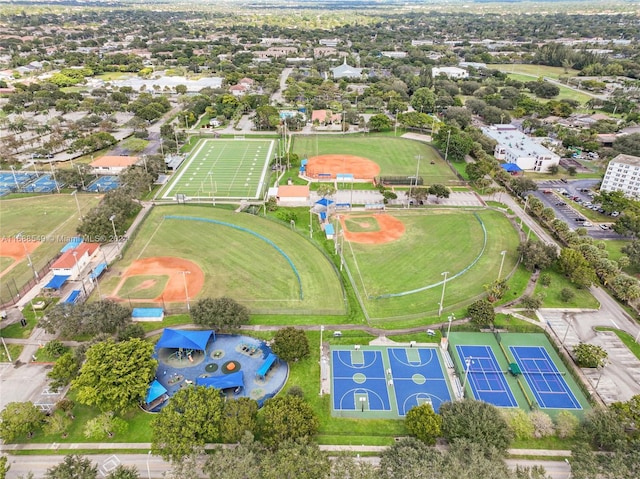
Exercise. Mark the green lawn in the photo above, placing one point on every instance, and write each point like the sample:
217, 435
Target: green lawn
230, 169
14, 350
614, 248
238, 263
395, 156
143, 287
582, 299
534, 70
51, 219
566, 93
434, 241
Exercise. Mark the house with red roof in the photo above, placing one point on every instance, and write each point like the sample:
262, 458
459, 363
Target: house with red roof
73, 261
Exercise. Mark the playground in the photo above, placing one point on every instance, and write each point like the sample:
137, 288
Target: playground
379, 382
515, 370
240, 366
225, 169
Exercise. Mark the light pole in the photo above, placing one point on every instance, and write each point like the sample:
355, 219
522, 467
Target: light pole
446, 151
503, 253
444, 284
450, 319
75, 257
419, 157
600, 376
113, 224
75, 195
468, 362
310, 226
26, 252
362, 401
321, 364
15, 180
186, 290
148, 470
95, 280
566, 331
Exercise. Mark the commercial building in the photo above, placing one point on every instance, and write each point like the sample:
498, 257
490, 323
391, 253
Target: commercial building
623, 174
516, 147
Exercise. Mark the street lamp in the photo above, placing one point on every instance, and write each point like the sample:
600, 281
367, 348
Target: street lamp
148, 470
26, 252
95, 280
450, 319
186, 291
503, 253
468, 362
444, 284
446, 151
600, 376
419, 157
75, 195
75, 257
566, 331
321, 365
13, 170
115, 234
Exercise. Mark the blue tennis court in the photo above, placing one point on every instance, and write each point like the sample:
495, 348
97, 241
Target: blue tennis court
13, 181
359, 381
485, 377
44, 184
418, 377
546, 382
103, 184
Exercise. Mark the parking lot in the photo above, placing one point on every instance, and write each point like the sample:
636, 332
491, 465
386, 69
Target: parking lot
567, 197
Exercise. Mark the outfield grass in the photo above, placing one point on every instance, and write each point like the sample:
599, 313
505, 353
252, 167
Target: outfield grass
52, 218
434, 241
238, 264
395, 156
566, 93
224, 169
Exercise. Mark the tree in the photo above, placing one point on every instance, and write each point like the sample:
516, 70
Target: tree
567, 295
124, 472
439, 191
326, 189
300, 460
266, 118
4, 467
625, 288
632, 250
64, 370
521, 185
520, 423
19, 419
423, 100
104, 425
603, 429
627, 144
575, 267
115, 376
423, 423
219, 313
290, 344
542, 424
481, 312
589, 355
286, 417
628, 412
476, 421
191, 419
404, 457
239, 416
241, 462
537, 255
380, 122
73, 467
566, 424
531, 303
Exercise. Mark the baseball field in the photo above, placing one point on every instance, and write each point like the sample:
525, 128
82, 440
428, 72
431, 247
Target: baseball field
36, 227
191, 252
393, 156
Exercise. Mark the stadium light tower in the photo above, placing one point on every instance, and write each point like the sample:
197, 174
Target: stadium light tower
444, 284
186, 290
468, 362
503, 253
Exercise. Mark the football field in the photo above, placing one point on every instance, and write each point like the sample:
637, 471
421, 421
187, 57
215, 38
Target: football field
225, 169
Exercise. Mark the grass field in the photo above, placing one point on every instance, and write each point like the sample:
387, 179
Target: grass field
583, 298
434, 241
52, 219
566, 93
143, 286
395, 156
230, 169
238, 264
534, 70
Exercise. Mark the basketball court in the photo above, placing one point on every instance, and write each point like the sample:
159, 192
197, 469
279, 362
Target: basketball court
379, 382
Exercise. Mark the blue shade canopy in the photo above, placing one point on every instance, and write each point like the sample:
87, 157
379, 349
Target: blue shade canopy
73, 297
511, 167
324, 202
176, 338
75, 241
266, 365
57, 281
155, 391
233, 380
98, 270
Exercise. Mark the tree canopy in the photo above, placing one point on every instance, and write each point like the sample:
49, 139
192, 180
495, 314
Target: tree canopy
115, 376
290, 344
286, 417
423, 423
219, 313
18, 419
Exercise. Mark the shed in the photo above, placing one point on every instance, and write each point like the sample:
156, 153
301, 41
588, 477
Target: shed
57, 281
329, 231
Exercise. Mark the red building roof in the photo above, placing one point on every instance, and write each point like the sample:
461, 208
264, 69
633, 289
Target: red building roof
68, 260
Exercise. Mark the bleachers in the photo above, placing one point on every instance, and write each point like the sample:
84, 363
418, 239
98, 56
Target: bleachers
447, 359
457, 387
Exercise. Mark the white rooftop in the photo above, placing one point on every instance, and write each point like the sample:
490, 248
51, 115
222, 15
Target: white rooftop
520, 144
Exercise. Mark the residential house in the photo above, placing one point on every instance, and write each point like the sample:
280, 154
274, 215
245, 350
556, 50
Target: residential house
320, 52
325, 117
329, 42
276, 52
516, 147
389, 54
623, 174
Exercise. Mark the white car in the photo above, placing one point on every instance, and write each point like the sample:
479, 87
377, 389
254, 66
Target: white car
587, 224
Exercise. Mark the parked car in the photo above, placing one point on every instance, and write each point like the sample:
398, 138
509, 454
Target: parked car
604, 227
615, 213
587, 224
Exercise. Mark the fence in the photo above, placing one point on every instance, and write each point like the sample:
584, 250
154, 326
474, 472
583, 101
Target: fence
16, 293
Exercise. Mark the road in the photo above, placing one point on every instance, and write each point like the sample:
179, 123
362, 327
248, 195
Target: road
277, 95
152, 467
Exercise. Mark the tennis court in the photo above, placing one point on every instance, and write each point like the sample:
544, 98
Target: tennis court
386, 382
485, 377
229, 169
12, 181
103, 184
547, 383
44, 184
